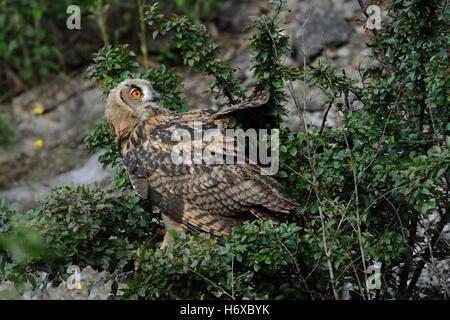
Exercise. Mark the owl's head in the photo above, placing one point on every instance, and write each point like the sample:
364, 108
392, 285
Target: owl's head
134, 96
132, 101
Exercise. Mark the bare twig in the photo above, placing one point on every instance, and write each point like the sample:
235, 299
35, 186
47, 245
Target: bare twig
432, 119
433, 265
324, 120
296, 267
313, 173
358, 218
232, 276
212, 282
426, 256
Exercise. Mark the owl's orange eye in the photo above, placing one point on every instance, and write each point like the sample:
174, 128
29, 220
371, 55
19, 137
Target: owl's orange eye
136, 93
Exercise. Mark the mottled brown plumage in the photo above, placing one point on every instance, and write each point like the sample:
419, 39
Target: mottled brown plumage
199, 197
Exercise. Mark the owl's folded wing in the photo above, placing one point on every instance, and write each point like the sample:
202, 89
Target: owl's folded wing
192, 193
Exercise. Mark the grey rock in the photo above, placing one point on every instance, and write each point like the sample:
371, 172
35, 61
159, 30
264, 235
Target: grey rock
349, 9
25, 196
292, 122
242, 62
236, 17
72, 107
324, 28
315, 103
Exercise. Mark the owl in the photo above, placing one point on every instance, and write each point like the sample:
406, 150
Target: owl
197, 196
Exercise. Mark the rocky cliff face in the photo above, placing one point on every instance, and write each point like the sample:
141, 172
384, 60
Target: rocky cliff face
51, 123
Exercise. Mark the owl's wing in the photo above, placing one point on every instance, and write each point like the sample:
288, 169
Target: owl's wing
258, 98
220, 118
202, 197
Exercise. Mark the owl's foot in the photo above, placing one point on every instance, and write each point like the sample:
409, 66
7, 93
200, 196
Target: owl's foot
165, 241
170, 224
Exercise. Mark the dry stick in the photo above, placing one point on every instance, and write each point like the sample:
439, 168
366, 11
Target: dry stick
232, 276
404, 274
197, 7
313, 174
402, 228
334, 240
297, 172
361, 292
297, 267
342, 218
355, 271
444, 7
433, 264
418, 270
347, 103
379, 141
209, 280
324, 120
15, 78
314, 269
100, 14
359, 237
293, 258
314, 183
361, 76
358, 218
432, 119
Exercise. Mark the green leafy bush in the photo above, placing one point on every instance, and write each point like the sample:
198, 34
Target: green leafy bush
198, 267
197, 50
33, 33
85, 226
374, 179
30, 39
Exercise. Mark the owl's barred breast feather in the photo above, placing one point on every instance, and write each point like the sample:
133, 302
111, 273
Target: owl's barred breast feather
193, 196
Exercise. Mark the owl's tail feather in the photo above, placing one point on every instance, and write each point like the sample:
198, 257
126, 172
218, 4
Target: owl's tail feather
198, 220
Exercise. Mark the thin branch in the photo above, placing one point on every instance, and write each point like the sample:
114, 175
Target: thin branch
432, 119
426, 256
212, 282
313, 174
358, 218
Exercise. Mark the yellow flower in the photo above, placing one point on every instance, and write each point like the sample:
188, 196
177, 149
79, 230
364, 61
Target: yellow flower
80, 286
39, 110
38, 143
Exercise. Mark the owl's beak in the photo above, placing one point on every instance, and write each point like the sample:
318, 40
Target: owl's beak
156, 98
